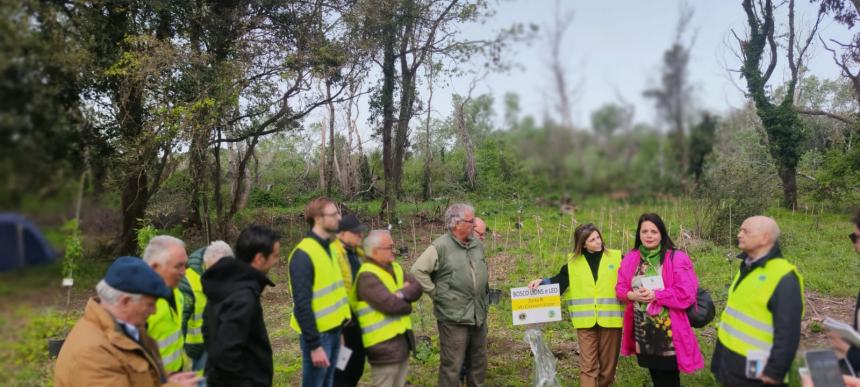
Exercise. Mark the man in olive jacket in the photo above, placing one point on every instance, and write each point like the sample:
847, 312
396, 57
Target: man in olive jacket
453, 272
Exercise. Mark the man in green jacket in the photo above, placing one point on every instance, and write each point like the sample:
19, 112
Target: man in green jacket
453, 272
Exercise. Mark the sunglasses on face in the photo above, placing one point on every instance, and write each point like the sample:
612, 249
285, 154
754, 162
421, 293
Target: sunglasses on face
853, 237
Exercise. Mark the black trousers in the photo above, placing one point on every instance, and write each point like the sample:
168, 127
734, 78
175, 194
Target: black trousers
355, 367
663, 369
665, 378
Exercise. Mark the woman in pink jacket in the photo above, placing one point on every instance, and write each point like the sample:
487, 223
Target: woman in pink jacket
658, 284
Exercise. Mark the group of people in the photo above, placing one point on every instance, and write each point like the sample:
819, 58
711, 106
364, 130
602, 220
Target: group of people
171, 320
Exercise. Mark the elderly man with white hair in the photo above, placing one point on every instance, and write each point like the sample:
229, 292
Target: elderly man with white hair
382, 302
453, 272
759, 330
109, 345
166, 255
194, 302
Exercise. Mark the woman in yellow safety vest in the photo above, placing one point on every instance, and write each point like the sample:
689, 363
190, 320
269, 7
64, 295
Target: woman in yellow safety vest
589, 279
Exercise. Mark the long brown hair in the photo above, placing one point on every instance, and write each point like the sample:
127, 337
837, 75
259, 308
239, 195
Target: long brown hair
581, 234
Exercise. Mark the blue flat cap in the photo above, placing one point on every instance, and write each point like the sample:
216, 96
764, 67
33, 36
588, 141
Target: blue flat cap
132, 275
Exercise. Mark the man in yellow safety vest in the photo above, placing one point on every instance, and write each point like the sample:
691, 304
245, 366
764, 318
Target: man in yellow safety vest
166, 256
759, 331
320, 305
382, 302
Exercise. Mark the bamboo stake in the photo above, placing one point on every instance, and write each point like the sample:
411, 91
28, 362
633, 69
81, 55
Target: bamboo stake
557, 235
492, 234
540, 242
520, 232
414, 238
611, 228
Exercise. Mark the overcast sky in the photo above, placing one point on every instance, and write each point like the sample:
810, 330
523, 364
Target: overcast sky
615, 47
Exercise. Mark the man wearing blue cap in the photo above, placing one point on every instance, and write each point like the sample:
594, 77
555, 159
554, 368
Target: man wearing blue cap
109, 345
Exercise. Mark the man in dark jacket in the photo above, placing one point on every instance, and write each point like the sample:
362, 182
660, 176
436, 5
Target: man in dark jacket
347, 246
842, 347
761, 322
234, 330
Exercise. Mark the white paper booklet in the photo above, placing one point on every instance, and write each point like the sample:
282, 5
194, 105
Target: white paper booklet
343, 357
846, 331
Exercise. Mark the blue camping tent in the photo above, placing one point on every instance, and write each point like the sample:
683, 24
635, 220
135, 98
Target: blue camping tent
22, 244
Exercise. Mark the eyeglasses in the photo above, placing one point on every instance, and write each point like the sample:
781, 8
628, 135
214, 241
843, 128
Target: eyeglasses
386, 248
468, 220
853, 237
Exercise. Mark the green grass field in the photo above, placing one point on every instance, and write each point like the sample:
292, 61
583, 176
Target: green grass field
816, 243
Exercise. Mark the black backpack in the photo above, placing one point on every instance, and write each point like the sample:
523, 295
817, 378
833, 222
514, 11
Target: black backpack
703, 311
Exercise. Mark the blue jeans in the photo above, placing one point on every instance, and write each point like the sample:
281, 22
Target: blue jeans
199, 364
315, 376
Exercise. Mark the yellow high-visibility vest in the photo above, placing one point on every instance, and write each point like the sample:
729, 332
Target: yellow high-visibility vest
345, 267
165, 326
746, 323
194, 334
376, 326
329, 304
589, 302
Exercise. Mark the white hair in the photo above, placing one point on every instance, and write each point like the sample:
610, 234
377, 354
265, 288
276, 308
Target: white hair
373, 239
215, 251
158, 248
111, 296
456, 213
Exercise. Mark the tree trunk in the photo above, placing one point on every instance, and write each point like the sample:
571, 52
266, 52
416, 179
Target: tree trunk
135, 198
197, 170
427, 184
331, 160
788, 176
389, 199
241, 185
469, 172
407, 97
322, 185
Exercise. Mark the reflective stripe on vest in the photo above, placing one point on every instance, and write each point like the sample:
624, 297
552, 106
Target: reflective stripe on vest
329, 304
165, 327
194, 333
589, 302
377, 327
746, 324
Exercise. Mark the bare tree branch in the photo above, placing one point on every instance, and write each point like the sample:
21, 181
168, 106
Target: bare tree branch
812, 112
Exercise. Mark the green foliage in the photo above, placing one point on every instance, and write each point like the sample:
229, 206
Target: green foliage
702, 143
145, 232
739, 179
74, 249
26, 356
838, 180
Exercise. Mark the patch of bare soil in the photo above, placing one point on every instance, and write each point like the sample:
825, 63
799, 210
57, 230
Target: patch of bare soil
817, 308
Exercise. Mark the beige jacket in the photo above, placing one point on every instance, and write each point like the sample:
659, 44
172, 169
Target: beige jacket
98, 353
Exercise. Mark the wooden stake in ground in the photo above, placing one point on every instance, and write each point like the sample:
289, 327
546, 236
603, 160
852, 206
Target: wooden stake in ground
492, 234
540, 242
414, 239
611, 228
558, 235
520, 226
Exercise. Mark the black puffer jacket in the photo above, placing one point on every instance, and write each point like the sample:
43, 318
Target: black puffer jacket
234, 331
